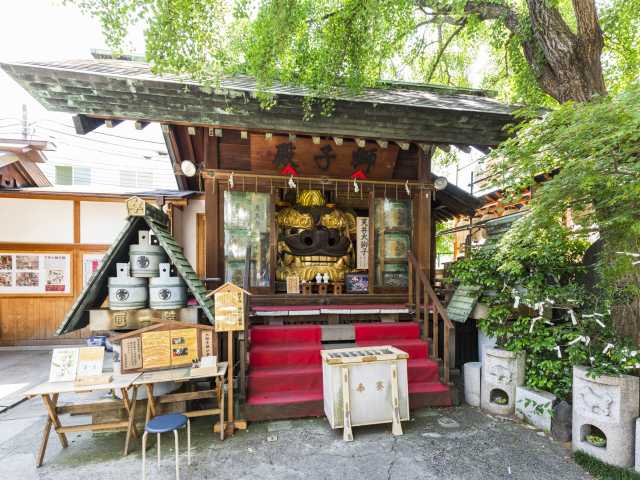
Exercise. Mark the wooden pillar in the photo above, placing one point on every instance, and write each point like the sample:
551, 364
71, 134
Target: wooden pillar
212, 207
424, 227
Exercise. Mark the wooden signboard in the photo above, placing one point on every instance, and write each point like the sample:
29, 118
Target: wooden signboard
362, 243
323, 159
156, 349
293, 284
165, 345
131, 354
230, 307
184, 346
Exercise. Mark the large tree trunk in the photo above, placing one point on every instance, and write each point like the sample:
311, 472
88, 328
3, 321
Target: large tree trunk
571, 69
566, 65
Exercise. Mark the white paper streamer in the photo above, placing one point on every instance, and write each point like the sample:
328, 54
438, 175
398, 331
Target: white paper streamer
356, 188
533, 323
516, 301
292, 184
406, 188
557, 348
607, 348
574, 320
600, 323
575, 340
231, 181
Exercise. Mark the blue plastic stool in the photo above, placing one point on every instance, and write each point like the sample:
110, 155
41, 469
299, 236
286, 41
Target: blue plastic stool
163, 424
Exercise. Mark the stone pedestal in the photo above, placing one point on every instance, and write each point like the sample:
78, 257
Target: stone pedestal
484, 343
535, 407
502, 372
605, 406
472, 373
638, 445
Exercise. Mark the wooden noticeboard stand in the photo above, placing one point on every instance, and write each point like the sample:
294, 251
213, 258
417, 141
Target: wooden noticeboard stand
231, 316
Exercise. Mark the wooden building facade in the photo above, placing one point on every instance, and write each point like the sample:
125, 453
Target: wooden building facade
294, 198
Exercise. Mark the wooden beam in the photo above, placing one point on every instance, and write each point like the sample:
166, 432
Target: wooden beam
463, 148
110, 123
482, 148
76, 221
425, 218
140, 125
169, 135
84, 124
212, 205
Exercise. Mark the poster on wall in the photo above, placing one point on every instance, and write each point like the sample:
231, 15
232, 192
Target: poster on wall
35, 273
362, 242
90, 264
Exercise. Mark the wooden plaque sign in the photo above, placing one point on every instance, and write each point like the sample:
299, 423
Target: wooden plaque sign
156, 349
362, 243
184, 346
293, 284
230, 308
207, 343
165, 345
131, 354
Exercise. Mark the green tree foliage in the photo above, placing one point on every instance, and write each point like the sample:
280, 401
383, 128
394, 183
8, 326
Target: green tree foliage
531, 281
594, 151
324, 44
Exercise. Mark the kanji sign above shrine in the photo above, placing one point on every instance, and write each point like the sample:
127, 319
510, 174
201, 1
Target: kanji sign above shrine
279, 152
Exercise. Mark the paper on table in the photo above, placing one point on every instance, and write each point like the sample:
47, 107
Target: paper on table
90, 362
64, 365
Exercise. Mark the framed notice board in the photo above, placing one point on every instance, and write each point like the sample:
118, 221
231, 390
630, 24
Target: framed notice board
35, 273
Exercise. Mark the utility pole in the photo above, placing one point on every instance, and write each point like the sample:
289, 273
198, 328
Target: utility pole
25, 122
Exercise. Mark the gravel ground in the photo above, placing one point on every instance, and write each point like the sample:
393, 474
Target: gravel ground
454, 443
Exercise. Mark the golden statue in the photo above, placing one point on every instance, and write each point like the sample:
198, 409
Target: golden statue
314, 238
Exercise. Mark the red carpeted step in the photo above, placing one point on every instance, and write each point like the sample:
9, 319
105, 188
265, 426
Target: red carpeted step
283, 405
285, 379
283, 355
274, 334
284, 398
422, 370
415, 348
386, 331
429, 394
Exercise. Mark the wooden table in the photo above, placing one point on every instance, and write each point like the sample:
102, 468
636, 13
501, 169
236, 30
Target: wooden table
50, 392
181, 375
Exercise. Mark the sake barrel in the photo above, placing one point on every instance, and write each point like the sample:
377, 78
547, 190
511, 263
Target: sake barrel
126, 292
145, 258
165, 291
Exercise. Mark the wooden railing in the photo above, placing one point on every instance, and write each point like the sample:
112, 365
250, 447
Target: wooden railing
422, 296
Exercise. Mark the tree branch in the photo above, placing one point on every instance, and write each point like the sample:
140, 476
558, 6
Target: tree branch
442, 49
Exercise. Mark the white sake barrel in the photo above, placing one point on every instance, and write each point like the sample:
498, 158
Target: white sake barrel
165, 291
125, 292
145, 258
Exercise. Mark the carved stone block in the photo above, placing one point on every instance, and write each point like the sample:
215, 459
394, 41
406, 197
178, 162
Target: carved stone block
605, 408
637, 444
502, 372
472, 373
535, 407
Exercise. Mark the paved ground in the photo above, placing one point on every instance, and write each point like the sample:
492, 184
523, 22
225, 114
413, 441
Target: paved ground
18, 370
457, 443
